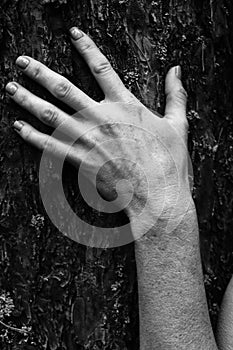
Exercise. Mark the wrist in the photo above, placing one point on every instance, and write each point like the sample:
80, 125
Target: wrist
155, 219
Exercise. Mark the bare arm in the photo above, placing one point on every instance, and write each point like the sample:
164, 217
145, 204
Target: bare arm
173, 307
153, 158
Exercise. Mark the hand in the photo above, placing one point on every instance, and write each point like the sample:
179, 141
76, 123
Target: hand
130, 151
151, 155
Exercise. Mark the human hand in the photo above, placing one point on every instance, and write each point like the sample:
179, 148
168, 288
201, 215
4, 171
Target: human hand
130, 142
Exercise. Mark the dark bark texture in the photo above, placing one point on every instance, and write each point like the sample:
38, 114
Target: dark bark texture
57, 294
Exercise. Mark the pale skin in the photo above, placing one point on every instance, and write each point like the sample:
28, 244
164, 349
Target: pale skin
172, 300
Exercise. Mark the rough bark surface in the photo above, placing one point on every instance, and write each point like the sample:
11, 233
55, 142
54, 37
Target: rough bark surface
67, 296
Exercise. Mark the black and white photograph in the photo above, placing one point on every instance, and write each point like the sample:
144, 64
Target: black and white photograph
116, 175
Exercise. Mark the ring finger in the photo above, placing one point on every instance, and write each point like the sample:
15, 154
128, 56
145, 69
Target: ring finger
59, 86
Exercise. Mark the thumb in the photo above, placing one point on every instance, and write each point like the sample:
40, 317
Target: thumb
176, 97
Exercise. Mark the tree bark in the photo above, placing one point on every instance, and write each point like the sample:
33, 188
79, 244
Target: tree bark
74, 297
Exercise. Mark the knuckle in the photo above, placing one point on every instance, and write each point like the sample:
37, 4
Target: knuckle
23, 100
181, 125
27, 134
185, 124
127, 97
102, 67
62, 89
47, 143
85, 46
49, 116
36, 72
108, 128
181, 95
184, 127
178, 96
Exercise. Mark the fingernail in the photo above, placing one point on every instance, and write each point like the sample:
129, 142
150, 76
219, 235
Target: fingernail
178, 72
18, 125
76, 33
22, 62
11, 88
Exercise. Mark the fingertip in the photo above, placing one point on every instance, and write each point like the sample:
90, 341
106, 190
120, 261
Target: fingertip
176, 96
29, 134
11, 88
18, 125
22, 62
75, 33
178, 72
173, 79
175, 71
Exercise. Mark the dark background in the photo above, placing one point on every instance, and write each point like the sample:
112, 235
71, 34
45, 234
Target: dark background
70, 296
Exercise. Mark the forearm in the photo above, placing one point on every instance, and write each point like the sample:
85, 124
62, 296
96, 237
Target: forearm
172, 300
